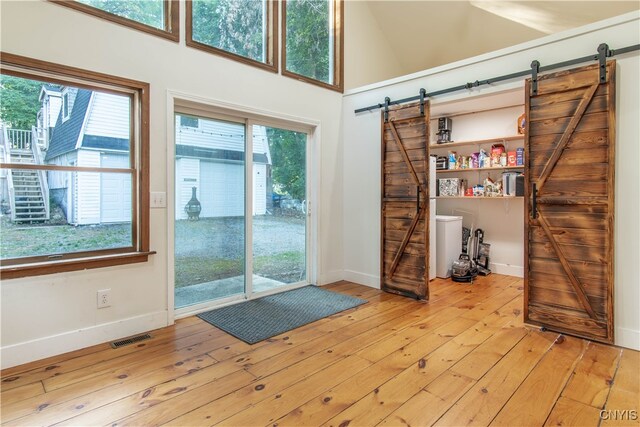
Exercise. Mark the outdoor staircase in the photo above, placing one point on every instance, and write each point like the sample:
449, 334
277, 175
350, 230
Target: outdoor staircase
29, 202
28, 188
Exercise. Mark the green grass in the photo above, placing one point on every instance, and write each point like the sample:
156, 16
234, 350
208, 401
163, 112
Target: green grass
21, 240
200, 255
287, 267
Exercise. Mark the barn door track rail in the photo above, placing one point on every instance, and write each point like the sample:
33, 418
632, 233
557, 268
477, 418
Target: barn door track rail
603, 53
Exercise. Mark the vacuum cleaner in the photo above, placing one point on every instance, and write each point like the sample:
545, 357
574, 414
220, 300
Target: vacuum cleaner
481, 253
469, 265
464, 269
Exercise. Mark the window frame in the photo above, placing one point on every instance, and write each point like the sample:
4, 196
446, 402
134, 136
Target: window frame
20, 66
338, 49
271, 41
171, 30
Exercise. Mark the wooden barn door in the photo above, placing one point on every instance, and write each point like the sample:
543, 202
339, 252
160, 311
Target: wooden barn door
405, 202
569, 214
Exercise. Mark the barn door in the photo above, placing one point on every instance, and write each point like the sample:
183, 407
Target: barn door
569, 251
405, 202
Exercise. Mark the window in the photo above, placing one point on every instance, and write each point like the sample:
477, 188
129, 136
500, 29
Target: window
65, 106
244, 30
158, 17
80, 198
312, 42
188, 121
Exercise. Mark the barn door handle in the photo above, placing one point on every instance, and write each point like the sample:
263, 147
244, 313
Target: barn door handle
418, 200
534, 201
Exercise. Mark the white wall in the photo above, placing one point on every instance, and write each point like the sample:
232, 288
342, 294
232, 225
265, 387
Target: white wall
361, 143
368, 57
66, 303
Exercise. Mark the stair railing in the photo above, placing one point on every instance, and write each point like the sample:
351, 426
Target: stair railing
42, 175
7, 159
20, 139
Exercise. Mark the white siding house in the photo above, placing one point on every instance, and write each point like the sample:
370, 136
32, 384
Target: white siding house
92, 129
210, 158
95, 133
51, 100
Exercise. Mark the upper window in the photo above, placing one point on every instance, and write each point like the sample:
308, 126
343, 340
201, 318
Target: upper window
243, 30
312, 42
65, 105
75, 196
158, 17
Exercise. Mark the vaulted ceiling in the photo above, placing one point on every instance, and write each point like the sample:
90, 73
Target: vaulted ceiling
425, 34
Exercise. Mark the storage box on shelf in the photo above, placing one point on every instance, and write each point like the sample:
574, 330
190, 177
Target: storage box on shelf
493, 179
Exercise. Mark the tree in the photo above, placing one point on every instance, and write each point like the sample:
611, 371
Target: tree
149, 12
19, 102
308, 38
288, 158
232, 25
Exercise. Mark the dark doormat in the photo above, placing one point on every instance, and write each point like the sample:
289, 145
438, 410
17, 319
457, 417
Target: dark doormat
262, 318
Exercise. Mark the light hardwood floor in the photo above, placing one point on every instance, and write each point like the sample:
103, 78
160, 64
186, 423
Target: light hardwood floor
464, 358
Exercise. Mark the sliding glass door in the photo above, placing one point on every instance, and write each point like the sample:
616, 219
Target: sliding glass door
220, 194
280, 208
209, 212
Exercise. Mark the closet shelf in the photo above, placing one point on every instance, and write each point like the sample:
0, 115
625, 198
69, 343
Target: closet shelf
480, 197
480, 169
478, 142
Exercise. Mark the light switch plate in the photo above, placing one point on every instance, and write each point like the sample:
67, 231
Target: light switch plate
158, 199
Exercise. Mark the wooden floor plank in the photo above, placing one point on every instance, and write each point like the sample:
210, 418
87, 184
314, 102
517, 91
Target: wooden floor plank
592, 379
485, 399
445, 390
21, 393
623, 399
462, 358
119, 411
534, 399
568, 412
51, 412
425, 407
387, 397
167, 336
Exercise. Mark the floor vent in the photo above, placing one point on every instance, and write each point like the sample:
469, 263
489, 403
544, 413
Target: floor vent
131, 340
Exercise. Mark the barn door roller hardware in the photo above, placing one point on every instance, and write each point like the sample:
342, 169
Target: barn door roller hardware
423, 92
386, 109
535, 68
603, 53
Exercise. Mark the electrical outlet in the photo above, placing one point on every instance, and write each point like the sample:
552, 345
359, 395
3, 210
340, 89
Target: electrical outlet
104, 298
158, 199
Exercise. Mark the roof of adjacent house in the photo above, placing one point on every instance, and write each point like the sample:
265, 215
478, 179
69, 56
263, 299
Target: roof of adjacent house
47, 87
65, 135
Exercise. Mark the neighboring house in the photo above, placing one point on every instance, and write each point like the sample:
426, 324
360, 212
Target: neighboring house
210, 157
51, 100
91, 130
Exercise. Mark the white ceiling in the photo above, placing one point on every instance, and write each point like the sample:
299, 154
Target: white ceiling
425, 34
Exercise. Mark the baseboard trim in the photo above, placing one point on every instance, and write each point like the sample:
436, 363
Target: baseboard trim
628, 338
507, 269
28, 351
362, 278
331, 277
